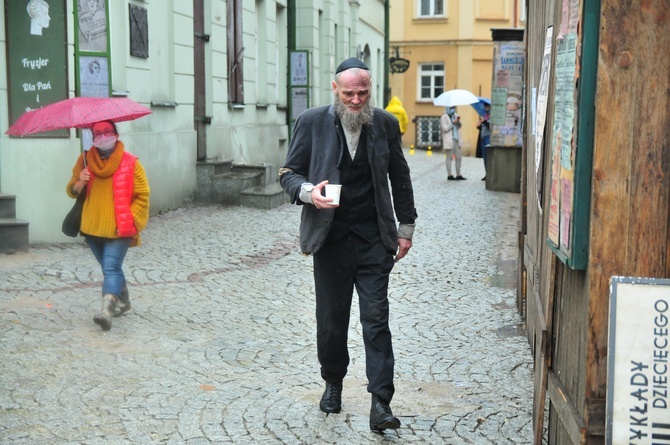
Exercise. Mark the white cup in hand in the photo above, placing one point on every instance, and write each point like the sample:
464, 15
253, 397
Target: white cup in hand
333, 191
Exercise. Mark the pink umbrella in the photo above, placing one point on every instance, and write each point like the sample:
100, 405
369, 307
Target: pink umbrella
77, 112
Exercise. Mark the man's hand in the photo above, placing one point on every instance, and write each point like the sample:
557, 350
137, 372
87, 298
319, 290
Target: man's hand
403, 247
320, 201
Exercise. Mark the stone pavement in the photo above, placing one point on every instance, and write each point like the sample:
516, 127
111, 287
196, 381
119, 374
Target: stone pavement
220, 345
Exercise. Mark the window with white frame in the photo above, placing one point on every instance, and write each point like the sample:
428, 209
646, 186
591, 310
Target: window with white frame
431, 8
431, 80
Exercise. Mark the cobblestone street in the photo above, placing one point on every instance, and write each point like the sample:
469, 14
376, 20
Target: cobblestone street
220, 344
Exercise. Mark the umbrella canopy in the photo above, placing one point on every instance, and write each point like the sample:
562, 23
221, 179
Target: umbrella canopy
479, 106
77, 112
453, 98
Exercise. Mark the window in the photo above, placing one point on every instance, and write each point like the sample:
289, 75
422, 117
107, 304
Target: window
431, 8
428, 132
431, 80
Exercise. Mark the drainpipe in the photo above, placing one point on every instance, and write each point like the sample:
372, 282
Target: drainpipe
387, 27
290, 37
291, 25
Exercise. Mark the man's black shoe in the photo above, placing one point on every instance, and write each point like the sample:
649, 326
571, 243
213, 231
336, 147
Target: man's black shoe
460, 178
381, 416
331, 401
451, 178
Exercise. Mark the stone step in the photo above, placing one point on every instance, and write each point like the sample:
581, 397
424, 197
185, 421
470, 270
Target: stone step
249, 185
7, 206
13, 235
227, 188
206, 171
264, 197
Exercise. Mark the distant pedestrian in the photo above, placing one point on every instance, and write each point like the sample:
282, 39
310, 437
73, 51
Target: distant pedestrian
484, 138
115, 211
450, 124
395, 108
356, 242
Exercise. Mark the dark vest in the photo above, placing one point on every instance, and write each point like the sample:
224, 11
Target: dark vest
357, 212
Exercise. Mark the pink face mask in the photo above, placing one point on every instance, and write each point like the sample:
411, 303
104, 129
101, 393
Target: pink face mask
105, 143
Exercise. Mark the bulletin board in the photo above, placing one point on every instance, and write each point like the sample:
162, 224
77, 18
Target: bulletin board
571, 138
299, 99
507, 88
92, 54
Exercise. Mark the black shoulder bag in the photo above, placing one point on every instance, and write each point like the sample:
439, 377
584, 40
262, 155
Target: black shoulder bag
72, 221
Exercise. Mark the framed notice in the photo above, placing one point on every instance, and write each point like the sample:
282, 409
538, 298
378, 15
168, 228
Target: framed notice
93, 76
36, 57
299, 99
92, 25
638, 397
299, 68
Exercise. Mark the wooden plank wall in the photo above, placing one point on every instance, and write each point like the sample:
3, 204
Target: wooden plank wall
629, 230
537, 257
567, 374
631, 163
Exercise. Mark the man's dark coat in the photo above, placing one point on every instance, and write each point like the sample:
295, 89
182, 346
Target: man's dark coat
315, 155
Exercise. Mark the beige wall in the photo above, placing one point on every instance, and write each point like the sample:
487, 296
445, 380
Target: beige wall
461, 40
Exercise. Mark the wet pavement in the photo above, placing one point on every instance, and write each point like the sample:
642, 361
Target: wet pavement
219, 347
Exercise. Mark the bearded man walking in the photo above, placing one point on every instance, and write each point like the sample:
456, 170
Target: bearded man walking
354, 244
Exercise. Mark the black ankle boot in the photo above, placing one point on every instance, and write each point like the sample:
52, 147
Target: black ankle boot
331, 401
381, 416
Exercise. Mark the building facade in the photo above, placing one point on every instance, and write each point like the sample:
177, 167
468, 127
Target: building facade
216, 75
448, 45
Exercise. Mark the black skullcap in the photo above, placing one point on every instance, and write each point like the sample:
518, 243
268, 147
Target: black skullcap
351, 62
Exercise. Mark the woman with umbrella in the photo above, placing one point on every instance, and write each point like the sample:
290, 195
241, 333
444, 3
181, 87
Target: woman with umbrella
450, 124
115, 211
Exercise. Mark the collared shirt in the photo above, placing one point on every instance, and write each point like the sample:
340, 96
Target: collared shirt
352, 140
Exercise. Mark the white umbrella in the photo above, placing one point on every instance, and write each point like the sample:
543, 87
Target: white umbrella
453, 98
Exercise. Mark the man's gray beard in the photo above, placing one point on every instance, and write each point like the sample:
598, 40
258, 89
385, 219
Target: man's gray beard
353, 121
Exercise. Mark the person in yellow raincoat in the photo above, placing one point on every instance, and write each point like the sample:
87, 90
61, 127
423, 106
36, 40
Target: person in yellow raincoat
395, 108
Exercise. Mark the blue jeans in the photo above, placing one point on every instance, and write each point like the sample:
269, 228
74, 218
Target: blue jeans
110, 253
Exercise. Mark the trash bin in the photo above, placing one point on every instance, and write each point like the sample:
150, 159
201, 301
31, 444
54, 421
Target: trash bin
503, 168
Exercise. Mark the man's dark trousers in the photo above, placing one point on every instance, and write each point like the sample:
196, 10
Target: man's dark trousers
339, 266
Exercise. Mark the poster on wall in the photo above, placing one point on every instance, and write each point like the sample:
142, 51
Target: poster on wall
92, 25
93, 82
506, 93
93, 76
36, 57
299, 69
638, 362
299, 101
541, 110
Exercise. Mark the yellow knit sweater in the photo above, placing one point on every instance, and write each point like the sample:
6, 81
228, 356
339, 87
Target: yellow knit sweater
98, 217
